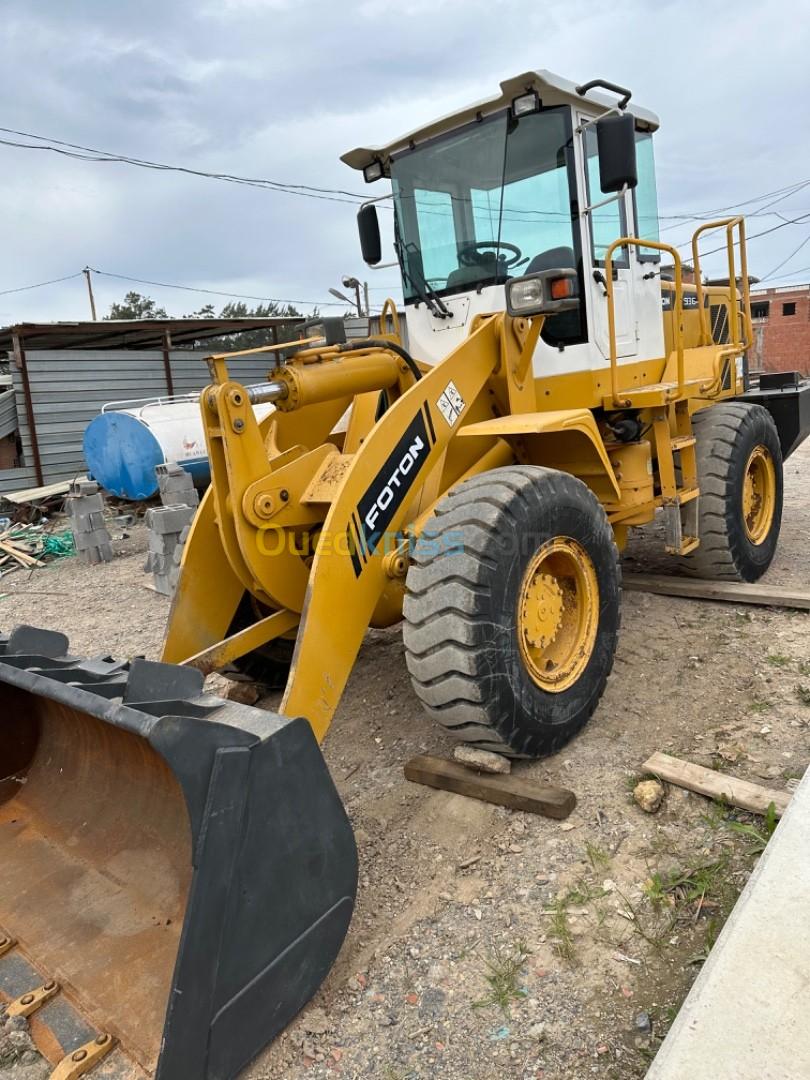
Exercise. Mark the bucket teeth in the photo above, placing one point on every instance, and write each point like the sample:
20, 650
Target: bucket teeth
84, 1059
28, 1003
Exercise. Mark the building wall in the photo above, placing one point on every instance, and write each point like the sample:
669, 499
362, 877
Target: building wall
782, 341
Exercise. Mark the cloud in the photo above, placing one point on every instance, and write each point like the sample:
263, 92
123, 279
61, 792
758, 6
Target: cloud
277, 89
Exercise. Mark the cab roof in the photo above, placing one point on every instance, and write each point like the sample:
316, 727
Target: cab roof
553, 90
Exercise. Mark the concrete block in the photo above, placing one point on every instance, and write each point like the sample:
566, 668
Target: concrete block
84, 504
83, 487
96, 538
169, 519
88, 522
169, 468
162, 584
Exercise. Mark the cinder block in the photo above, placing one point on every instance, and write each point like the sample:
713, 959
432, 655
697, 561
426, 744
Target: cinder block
87, 522
169, 468
86, 540
83, 487
169, 519
162, 584
84, 504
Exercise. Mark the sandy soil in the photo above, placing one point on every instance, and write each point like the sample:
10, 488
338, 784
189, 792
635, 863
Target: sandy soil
490, 944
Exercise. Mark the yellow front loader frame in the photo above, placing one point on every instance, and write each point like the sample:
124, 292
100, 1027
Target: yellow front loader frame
315, 526
312, 510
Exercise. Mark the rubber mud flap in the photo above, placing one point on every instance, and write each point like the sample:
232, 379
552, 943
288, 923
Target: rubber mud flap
184, 865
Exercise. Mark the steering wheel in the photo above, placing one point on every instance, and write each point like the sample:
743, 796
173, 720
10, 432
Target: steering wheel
470, 254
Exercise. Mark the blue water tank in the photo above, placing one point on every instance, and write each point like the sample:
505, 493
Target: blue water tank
123, 446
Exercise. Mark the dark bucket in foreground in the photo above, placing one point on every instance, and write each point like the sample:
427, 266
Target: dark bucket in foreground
182, 868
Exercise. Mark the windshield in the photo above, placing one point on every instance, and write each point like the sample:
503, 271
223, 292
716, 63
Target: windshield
488, 202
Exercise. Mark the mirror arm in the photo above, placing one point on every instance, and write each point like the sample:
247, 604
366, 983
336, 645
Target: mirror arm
604, 202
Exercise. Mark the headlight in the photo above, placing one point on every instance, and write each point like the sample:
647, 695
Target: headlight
544, 293
373, 171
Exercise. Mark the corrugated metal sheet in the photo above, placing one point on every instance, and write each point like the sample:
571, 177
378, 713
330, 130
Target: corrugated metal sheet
70, 386
8, 413
15, 479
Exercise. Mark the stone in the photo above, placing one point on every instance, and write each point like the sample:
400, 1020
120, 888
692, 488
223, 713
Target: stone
649, 794
482, 760
245, 693
643, 1023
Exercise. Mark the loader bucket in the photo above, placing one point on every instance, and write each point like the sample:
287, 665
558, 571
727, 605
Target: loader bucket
180, 867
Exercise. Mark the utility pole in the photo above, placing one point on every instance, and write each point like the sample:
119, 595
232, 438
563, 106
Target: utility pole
87, 273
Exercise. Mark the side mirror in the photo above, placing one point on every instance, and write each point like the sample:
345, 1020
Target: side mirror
616, 142
369, 228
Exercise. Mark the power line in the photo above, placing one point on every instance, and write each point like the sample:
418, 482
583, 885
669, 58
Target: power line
787, 260
215, 292
753, 236
86, 153
39, 284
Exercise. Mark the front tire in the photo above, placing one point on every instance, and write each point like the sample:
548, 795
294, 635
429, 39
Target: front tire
512, 610
739, 467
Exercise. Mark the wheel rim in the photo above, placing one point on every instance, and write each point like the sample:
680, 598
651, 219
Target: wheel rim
558, 614
759, 494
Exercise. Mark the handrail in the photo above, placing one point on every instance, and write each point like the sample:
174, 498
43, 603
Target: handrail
389, 309
623, 241
729, 225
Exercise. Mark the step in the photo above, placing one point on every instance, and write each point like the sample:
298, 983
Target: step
646, 397
681, 442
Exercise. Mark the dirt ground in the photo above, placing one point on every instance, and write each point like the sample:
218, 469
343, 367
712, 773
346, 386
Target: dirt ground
491, 944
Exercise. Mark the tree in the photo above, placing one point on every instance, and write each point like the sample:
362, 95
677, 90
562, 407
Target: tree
135, 306
250, 339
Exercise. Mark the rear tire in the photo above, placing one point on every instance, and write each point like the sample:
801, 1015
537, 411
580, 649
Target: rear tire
739, 467
512, 610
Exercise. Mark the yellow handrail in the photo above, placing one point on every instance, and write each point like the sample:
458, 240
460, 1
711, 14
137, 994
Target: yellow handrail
729, 225
620, 403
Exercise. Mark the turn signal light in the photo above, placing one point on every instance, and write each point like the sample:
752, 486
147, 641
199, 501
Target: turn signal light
562, 288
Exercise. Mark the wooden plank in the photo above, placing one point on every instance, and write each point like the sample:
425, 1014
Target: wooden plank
32, 494
733, 592
716, 785
508, 791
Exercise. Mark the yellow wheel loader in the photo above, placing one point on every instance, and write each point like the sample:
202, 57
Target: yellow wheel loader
182, 868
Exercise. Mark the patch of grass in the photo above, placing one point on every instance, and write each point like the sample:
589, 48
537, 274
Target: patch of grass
504, 968
655, 934
758, 705
597, 856
803, 693
582, 893
778, 660
560, 931
758, 839
804, 667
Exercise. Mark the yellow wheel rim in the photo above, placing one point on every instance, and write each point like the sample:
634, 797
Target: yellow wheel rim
558, 614
759, 494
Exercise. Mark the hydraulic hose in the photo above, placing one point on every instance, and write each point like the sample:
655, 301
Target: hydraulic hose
380, 343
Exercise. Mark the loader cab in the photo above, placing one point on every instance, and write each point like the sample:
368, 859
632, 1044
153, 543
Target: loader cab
512, 187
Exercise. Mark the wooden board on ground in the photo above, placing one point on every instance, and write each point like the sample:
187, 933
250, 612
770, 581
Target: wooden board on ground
509, 791
716, 785
733, 592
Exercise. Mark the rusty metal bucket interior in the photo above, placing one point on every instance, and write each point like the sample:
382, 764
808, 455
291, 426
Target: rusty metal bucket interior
95, 865
180, 866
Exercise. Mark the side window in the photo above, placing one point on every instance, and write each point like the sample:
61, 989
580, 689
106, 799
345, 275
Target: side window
607, 223
645, 197
434, 213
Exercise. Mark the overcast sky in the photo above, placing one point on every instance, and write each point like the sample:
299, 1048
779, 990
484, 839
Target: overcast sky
280, 88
